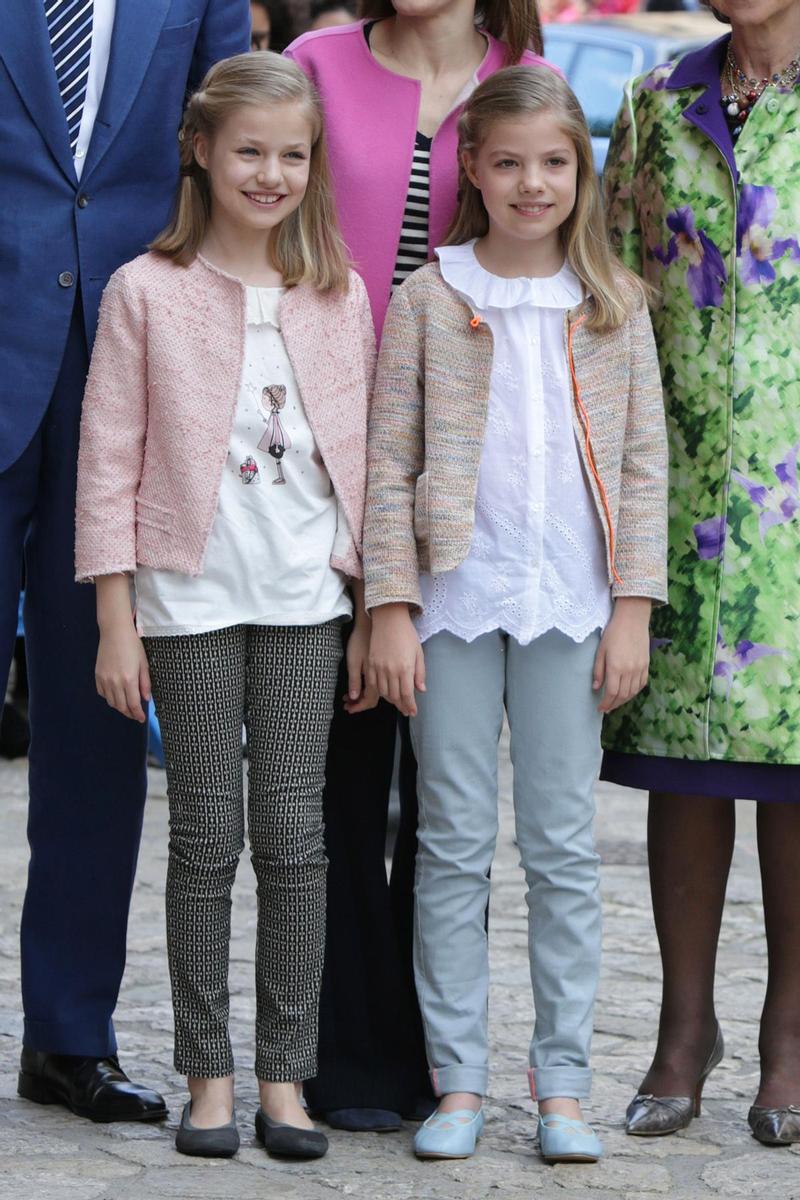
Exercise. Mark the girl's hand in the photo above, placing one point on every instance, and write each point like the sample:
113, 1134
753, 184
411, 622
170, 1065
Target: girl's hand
361, 694
122, 675
623, 656
396, 661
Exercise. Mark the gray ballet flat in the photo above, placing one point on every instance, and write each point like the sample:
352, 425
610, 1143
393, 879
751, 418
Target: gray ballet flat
775, 1126
656, 1116
220, 1142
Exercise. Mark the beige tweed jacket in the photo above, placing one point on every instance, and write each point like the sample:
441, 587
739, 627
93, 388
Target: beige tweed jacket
426, 432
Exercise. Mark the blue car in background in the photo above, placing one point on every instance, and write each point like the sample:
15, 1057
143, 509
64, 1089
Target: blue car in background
599, 57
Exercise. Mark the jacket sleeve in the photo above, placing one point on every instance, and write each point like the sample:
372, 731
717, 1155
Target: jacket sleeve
395, 457
623, 223
369, 347
225, 30
347, 547
641, 551
113, 429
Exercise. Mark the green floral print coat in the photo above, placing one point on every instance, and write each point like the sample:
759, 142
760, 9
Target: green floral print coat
718, 240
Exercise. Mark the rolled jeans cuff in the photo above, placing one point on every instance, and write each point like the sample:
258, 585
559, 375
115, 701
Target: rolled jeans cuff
460, 1078
546, 1082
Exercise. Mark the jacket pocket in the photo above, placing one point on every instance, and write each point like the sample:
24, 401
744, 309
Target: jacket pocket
177, 35
154, 515
421, 526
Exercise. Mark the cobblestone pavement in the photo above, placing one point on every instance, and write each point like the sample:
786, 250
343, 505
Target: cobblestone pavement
47, 1154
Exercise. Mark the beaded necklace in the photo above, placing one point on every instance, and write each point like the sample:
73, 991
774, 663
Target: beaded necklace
743, 91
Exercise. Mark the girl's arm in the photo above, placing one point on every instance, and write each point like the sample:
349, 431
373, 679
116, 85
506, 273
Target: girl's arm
623, 658
641, 549
113, 430
622, 661
121, 674
395, 458
396, 660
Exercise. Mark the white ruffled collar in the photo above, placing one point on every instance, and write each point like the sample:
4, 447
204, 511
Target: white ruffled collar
461, 269
262, 305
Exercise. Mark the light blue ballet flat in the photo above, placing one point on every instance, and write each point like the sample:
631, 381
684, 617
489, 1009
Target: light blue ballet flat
449, 1134
563, 1140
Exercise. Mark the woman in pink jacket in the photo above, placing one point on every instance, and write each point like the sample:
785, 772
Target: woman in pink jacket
393, 86
222, 465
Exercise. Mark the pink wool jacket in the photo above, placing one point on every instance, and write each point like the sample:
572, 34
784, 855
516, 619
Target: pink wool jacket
370, 126
160, 402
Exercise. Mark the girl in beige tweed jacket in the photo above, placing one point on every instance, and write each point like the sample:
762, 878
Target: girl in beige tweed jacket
516, 527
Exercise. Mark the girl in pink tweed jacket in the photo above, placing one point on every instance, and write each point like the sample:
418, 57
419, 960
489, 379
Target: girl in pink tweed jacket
222, 465
514, 541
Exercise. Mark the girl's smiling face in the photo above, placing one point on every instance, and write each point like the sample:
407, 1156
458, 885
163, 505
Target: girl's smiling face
526, 170
257, 164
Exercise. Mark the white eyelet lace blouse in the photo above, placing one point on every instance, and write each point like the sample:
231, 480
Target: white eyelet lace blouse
537, 559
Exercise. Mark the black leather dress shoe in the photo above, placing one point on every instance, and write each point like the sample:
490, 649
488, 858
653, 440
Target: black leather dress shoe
96, 1088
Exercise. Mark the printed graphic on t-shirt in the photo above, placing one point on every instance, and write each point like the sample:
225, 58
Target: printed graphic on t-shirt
275, 440
248, 470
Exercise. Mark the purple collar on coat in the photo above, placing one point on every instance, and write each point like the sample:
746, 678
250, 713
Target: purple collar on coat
701, 68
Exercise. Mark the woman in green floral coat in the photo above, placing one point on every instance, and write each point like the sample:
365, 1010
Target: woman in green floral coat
703, 185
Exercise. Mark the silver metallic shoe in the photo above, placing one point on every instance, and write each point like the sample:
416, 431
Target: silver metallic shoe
775, 1126
655, 1116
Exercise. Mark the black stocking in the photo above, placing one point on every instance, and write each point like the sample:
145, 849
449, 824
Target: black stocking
779, 1041
690, 845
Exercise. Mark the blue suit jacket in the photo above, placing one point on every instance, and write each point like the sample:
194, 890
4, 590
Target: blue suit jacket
159, 49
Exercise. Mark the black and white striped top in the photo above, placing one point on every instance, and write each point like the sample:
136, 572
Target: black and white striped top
412, 250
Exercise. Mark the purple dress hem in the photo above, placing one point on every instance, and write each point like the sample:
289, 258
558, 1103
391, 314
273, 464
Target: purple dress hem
774, 782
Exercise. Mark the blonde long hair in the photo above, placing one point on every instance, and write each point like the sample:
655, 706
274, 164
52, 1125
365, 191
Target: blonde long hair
308, 246
523, 91
515, 22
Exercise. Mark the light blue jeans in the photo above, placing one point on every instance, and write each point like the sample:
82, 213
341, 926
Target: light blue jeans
546, 690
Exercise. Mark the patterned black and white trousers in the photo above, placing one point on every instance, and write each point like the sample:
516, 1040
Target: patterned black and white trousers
278, 681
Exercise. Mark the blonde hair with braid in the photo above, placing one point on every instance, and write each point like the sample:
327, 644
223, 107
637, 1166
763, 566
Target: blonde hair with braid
307, 245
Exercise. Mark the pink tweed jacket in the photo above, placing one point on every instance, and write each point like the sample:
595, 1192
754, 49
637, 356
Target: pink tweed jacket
160, 402
426, 429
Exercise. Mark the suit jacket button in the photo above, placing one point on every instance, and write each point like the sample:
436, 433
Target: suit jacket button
701, 109
82, 201
66, 279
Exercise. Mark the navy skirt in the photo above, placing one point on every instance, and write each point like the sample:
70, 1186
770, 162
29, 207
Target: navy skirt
740, 781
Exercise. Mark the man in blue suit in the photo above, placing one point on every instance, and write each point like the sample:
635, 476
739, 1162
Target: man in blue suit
91, 95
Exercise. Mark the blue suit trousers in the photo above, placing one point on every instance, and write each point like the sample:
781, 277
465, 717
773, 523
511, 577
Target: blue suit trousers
87, 762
